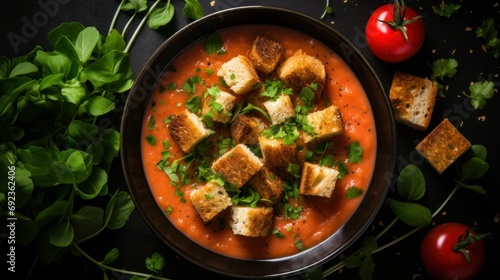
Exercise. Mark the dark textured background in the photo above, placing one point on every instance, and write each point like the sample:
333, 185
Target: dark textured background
445, 38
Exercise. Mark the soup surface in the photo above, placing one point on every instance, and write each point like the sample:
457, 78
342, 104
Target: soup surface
194, 71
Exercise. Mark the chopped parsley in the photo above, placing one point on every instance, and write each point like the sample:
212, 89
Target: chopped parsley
479, 92
353, 192
446, 9
355, 152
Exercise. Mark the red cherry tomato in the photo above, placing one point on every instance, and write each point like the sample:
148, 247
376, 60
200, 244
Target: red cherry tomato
442, 262
387, 41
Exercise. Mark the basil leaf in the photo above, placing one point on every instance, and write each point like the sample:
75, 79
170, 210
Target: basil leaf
474, 168
70, 30
99, 106
118, 210
161, 15
95, 185
86, 42
193, 9
62, 234
114, 41
23, 68
111, 256
411, 213
135, 5
87, 221
411, 183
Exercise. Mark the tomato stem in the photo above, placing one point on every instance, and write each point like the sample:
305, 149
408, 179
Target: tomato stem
398, 18
467, 239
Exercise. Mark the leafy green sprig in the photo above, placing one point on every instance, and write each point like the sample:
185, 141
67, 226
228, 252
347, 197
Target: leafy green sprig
56, 134
446, 9
489, 32
411, 186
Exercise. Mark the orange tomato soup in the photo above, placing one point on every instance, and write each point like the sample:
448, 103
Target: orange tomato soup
321, 217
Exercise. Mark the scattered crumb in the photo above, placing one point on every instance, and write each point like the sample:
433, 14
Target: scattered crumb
453, 51
444, 213
468, 29
381, 223
433, 51
481, 118
471, 51
415, 276
398, 253
212, 3
485, 49
433, 223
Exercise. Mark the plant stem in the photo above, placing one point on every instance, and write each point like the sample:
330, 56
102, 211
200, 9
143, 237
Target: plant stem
326, 6
136, 32
115, 17
106, 267
128, 24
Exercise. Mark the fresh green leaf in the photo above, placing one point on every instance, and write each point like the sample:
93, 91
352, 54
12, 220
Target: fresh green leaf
111, 256
95, 185
114, 41
411, 213
480, 92
74, 92
489, 32
99, 106
213, 44
135, 5
193, 9
87, 221
112, 69
353, 192
444, 68
62, 234
86, 42
26, 230
23, 68
474, 168
155, 262
479, 151
118, 210
355, 152
446, 9
411, 183
70, 30
161, 15
193, 104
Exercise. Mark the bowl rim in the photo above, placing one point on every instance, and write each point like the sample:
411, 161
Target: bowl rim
156, 219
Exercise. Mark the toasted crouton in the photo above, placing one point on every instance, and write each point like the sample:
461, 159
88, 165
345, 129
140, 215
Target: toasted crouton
268, 186
226, 102
278, 156
251, 221
246, 129
301, 70
317, 180
281, 109
443, 146
187, 130
413, 99
265, 54
327, 123
239, 74
237, 165
209, 200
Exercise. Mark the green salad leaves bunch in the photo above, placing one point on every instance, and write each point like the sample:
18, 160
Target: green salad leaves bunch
58, 139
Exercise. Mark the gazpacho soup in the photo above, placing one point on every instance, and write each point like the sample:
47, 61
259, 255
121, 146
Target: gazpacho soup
258, 142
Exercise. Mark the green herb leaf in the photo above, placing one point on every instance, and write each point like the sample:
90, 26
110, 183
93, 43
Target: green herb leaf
353, 192
474, 168
87, 221
193, 9
155, 262
86, 42
411, 183
355, 152
480, 92
161, 15
118, 210
99, 106
62, 234
213, 44
446, 9
135, 5
111, 256
411, 213
444, 68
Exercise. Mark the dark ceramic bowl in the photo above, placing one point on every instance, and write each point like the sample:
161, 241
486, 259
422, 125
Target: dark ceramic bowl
154, 216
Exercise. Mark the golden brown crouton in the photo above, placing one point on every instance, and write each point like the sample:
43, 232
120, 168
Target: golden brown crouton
268, 186
413, 99
278, 156
187, 130
251, 221
317, 180
265, 53
301, 70
443, 146
237, 165
209, 200
246, 129
239, 74
226, 101
327, 123
281, 109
